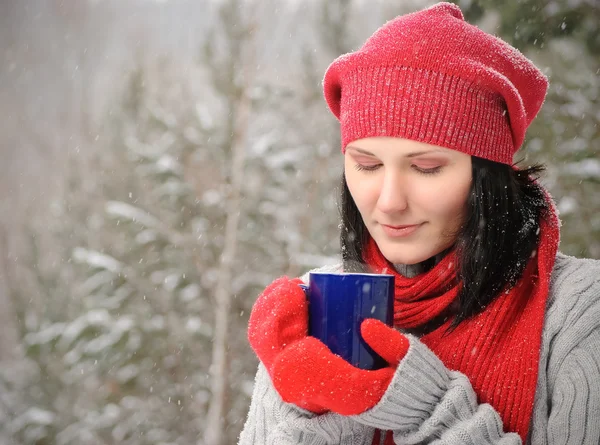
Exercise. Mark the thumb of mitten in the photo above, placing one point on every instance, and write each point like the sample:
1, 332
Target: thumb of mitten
389, 343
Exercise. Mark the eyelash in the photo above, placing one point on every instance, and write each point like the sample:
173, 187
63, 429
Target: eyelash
429, 171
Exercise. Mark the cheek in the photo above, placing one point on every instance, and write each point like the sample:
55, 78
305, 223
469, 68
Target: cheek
444, 201
364, 196
363, 191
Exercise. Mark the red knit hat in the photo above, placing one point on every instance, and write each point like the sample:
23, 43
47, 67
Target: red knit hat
431, 77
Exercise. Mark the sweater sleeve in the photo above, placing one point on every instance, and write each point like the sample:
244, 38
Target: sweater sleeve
271, 421
567, 406
427, 403
576, 397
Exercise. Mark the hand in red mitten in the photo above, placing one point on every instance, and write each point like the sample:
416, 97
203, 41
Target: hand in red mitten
308, 374
279, 317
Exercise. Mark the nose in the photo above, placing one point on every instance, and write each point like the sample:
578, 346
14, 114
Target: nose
393, 193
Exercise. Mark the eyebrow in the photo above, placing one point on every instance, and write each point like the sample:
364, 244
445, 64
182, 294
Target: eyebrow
410, 155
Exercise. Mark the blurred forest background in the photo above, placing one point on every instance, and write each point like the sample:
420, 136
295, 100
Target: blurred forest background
163, 161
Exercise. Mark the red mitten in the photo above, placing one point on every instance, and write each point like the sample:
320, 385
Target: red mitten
308, 374
279, 317
389, 343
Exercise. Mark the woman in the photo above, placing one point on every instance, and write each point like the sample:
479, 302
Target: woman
497, 337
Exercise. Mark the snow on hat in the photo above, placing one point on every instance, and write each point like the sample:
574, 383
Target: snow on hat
429, 76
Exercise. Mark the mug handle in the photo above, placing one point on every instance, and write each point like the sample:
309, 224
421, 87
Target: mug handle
304, 287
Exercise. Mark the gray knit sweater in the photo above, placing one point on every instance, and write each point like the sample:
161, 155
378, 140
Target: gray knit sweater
426, 403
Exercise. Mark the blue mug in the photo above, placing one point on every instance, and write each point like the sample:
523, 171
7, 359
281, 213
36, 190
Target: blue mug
339, 302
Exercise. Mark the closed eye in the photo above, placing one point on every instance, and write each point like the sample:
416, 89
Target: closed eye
427, 171
367, 168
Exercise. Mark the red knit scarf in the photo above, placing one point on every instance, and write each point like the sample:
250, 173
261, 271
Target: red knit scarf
498, 349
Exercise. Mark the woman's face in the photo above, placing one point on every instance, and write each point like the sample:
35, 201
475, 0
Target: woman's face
411, 195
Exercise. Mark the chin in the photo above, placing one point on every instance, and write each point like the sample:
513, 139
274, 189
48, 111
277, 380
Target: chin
406, 256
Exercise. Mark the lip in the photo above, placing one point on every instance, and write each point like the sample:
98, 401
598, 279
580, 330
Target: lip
399, 231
